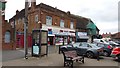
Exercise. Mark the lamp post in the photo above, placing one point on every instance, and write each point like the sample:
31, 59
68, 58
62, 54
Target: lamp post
25, 29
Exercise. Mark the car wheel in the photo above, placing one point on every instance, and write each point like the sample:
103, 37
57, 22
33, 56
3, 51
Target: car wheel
106, 54
89, 54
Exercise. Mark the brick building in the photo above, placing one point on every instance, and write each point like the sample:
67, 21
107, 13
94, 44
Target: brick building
116, 36
61, 26
7, 31
106, 35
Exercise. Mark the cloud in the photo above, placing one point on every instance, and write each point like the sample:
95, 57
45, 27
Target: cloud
12, 6
102, 12
104, 15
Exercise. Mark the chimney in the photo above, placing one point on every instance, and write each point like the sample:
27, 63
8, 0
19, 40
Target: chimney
17, 12
68, 12
33, 3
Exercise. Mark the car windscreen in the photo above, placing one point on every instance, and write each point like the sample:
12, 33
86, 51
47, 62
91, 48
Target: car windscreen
76, 44
84, 44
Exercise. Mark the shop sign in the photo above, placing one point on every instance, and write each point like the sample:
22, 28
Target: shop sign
72, 34
82, 35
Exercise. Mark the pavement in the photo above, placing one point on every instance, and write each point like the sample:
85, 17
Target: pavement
20, 53
16, 58
56, 60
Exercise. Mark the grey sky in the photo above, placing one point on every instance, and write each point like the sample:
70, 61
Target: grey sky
104, 13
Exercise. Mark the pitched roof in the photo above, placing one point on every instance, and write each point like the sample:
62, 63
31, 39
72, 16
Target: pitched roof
116, 35
81, 21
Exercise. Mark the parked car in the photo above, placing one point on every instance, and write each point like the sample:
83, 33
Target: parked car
88, 49
116, 53
114, 44
118, 42
100, 41
107, 48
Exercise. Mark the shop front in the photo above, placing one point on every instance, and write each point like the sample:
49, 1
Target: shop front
51, 37
81, 37
72, 37
59, 36
61, 39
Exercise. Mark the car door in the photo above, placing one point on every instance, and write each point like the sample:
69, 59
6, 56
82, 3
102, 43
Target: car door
82, 48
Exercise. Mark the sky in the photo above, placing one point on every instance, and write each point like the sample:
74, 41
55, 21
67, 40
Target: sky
104, 13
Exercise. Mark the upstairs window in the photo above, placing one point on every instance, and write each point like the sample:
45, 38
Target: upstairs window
36, 18
71, 24
61, 23
48, 20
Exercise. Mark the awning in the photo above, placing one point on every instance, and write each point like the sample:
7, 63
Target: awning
91, 25
91, 28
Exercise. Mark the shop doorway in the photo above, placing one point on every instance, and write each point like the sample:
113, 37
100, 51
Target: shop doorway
50, 40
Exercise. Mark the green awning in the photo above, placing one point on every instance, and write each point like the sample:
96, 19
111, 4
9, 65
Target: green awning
91, 32
91, 25
91, 28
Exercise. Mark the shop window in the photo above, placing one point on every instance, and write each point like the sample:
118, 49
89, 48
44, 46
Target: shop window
7, 37
65, 40
48, 20
61, 23
59, 41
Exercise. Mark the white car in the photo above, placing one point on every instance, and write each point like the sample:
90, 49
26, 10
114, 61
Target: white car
100, 41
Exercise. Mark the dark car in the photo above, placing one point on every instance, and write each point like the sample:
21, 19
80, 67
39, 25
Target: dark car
88, 49
107, 48
116, 53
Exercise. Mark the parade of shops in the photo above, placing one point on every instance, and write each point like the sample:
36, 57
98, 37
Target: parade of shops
63, 27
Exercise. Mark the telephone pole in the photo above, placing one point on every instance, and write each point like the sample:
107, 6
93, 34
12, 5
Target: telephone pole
25, 29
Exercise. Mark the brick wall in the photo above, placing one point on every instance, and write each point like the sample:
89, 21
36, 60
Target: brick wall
7, 27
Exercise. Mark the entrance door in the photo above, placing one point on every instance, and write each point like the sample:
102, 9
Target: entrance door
50, 40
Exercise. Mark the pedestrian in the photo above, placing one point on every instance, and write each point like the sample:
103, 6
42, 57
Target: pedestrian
98, 58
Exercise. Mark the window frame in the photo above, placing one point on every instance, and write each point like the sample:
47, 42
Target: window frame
49, 20
36, 18
7, 37
71, 24
62, 23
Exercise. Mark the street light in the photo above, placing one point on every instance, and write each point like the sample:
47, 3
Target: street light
25, 29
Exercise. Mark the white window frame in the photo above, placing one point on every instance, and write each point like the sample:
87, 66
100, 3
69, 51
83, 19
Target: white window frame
19, 20
7, 37
36, 18
48, 20
71, 24
62, 23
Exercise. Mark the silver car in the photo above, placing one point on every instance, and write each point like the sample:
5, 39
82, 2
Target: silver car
89, 49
